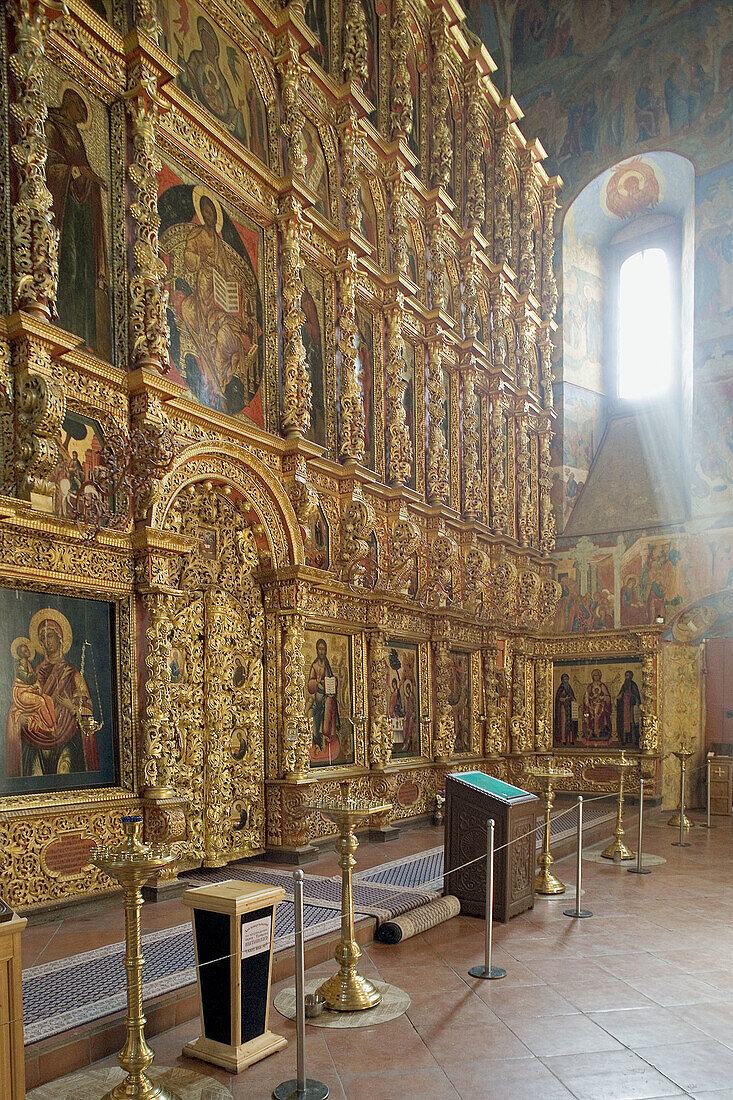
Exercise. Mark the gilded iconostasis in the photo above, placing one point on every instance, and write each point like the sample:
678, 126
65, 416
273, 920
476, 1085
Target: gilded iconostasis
278, 306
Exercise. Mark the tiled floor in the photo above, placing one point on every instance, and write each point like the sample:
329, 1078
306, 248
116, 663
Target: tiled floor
636, 1002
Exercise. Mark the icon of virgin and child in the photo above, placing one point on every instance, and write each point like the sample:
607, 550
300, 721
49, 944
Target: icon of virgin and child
51, 714
322, 707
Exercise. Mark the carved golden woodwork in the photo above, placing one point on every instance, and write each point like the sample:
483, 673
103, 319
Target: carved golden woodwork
400, 564
35, 238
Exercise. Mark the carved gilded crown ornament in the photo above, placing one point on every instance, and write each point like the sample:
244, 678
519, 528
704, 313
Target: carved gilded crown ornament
276, 476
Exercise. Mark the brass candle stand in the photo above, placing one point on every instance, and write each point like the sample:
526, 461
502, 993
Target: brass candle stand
546, 774
683, 755
132, 863
347, 991
617, 849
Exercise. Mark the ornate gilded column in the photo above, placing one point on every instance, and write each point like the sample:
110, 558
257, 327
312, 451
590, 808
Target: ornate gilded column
296, 733
472, 487
524, 480
519, 699
441, 159
444, 737
548, 290
401, 93
39, 405
438, 482
494, 713
527, 266
35, 238
547, 516
502, 197
296, 393
380, 733
351, 439
650, 736
475, 186
356, 44
217, 728
400, 444
544, 346
543, 703
349, 133
497, 462
437, 474
160, 752
289, 65
148, 296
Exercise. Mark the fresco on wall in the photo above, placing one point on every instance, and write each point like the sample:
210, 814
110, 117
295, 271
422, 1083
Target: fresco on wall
606, 585
597, 704
79, 179
215, 73
714, 252
592, 98
214, 303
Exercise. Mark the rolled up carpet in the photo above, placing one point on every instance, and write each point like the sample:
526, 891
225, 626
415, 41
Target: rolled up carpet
419, 920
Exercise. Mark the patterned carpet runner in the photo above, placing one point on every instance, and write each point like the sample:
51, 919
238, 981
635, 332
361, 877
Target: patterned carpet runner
80, 988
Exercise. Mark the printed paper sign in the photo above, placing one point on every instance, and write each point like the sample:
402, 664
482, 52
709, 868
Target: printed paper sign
256, 937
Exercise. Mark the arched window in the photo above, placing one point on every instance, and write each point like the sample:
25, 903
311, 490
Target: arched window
645, 325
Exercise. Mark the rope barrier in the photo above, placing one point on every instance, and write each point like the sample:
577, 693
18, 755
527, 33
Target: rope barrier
453, 870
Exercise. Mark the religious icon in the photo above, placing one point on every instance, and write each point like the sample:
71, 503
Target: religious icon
409, 400
316, 16
58, 729
566, 713
311, 303
77, 190
403, 698
215, 311
328, 698
459, 698
216, 74
317, 553
175, 666
316, 171
365, 347
80, 446
628, 711
597, 709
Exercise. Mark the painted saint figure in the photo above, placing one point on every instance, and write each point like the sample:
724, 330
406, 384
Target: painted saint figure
566, 727
628, 702
597, 709
76, 189
44, 732
323, 705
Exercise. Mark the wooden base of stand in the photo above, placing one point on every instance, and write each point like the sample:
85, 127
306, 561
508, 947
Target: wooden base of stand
235, 1059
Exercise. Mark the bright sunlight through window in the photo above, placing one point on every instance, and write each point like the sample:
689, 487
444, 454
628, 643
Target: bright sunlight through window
645, 325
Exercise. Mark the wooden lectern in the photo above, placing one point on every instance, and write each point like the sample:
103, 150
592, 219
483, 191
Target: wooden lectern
233, 932
471, 798
12, 1055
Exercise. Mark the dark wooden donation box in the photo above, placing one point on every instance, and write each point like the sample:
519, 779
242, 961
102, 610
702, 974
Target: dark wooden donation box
233, 931
471, 799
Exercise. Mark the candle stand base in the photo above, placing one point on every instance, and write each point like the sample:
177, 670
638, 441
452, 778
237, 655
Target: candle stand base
349, 993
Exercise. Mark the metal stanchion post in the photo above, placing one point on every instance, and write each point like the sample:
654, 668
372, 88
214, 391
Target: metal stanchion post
708, 822
639, 870
300, 1088
577, 911
682, 843
487, 970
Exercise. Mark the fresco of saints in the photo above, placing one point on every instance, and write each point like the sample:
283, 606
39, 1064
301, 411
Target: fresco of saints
76, 189
597, 709
566, 727
45, 723
322, 704
214, 295
628, 702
